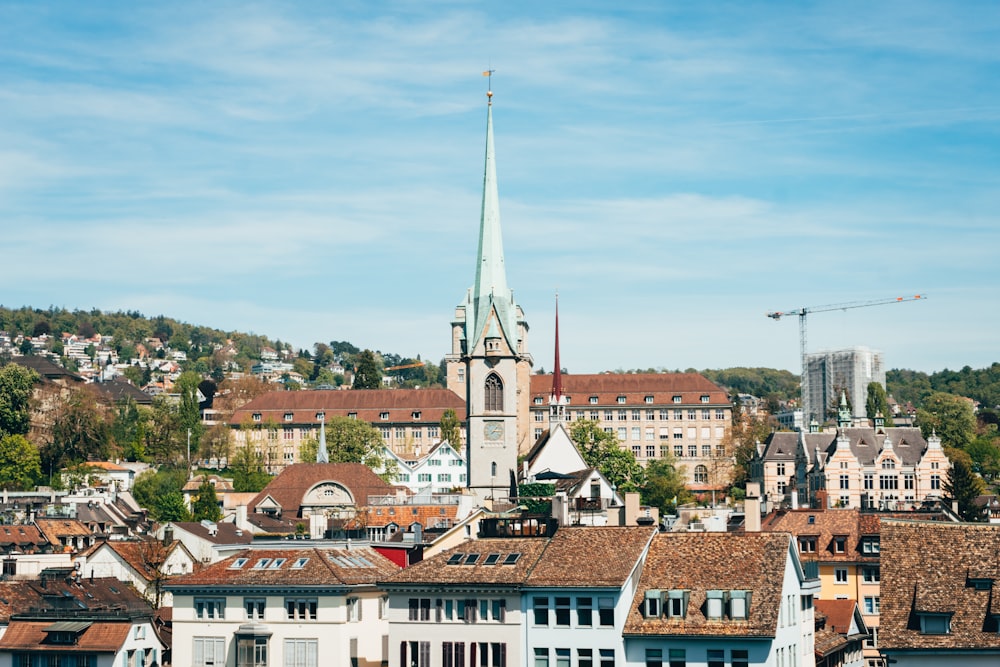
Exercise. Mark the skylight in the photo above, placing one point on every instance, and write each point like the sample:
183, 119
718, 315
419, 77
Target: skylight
455, 559
511, 559
238, 563
276, 563
471, 559
299, 563
261, 564
492, 559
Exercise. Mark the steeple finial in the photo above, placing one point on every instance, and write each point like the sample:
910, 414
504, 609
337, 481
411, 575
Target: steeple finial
557, 372
489, 86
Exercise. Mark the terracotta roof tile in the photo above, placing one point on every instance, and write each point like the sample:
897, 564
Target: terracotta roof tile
634, 386
435, 570
591, 556
839, 613
927, 567
100, 637
225, 533
294, 481
315, 566
368, 404
699, 562
825, 525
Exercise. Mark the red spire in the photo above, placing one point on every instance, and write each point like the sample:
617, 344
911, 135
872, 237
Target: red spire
557, 373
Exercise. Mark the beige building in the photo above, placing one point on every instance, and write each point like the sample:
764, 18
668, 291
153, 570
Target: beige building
652, 414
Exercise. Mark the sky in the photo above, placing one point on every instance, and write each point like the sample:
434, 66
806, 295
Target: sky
312, 171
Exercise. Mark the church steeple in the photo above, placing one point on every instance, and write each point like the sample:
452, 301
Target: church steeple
490, 292
557, 403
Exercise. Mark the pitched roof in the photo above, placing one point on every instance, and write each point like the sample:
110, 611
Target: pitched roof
119, 389
99, 594
699, 562
607, 387
368, 404
294, 481
572, 557
21, 536
315, 566
428, 516
53, 529
141, 556
839, 614
824, 525
929, 567
98, 637
216, 533
866, 444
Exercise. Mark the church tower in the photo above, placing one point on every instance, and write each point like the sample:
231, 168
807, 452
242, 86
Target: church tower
489, 364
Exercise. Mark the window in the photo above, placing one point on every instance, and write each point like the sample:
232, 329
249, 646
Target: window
541, 657
499, 609
706, 414
872, 604
678, 657
444, 477
692, 450
739, 605
255, 608
720, 414
210, 607
678, 415
585, 611
622, 415
714, 603
606, 611
869, 481
676, 399
592, 400
871, 545
871, 575
300, 609
424, 477
692, 415
494, 393
654, 657
716, 658
289, 416
807, 544
415, 654
845, 481
250, 651
419, 609
840, 575
679, 451
888, 482
935, 624
622, 433
704, 399
740, 657
839, 544
637, 433
562, 657
677, 604
636, 415
209, 651
781, 469
607, 657
935, 482
700, 474
256, 416
585, 657
540, 609
562, 611
353, 610
621, 399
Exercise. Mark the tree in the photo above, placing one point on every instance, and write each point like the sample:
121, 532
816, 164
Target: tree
247, 466
161, 493
665, 485
877, 403
963, 486
16, 384
985, 454
206, 505
171, 507
367, 374
188, 411
20, 465
165, 439
949, 416
451, 429
600, 450
356, 441
747, 430
80, 429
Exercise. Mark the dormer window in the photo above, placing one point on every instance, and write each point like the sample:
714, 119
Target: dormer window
677, 399
807, 544
352, 415
739, 605
705, 398
648, 399
870, 546
935, 623
289, 416
839, 544
383, 416
320, 415
677, 602
651, 604
416, 414
538, 400
593, 400
715, 604
256, 416
621, 400
979, 583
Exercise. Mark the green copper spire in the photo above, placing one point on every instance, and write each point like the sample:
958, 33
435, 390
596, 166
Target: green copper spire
490, 291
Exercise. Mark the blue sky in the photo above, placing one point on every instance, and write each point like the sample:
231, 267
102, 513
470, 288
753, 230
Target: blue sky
312, 171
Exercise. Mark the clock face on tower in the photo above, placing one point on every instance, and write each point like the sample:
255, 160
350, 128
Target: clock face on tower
493, 431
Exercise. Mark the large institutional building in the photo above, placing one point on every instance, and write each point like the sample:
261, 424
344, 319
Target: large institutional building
833, 371
506, 409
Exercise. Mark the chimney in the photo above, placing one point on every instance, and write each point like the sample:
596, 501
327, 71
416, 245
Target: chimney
560, 508
751, 508
168, 536
795, 499
631, 509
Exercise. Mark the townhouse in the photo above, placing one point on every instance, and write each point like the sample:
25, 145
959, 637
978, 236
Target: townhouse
721, 600
283, 606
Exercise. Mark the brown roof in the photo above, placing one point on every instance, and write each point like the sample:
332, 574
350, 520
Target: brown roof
572, 557
21, 536
824, 525
224, 533
699, 562
827, 641
100, 637
294, 481
53, 529
142, 556
428, 516
367, 404
607, 387
929, 567
839, 614
98, 594
322, 567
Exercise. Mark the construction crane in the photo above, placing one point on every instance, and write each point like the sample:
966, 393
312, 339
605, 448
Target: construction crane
399, 368
803, 312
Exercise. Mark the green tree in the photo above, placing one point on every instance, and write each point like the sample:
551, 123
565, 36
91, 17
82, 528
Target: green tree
188, 412
160, 491
206, 506
963, 486
665, 486
984, 451
746, 431
20, 465
247, 466
949, 416
171, 507
601, 450
451, 429
877, 403
165, 438
80, 430
16, 384
367, 374
356, 441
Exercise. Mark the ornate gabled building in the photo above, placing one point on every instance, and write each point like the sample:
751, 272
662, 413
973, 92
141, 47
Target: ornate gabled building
489, 363
864, 467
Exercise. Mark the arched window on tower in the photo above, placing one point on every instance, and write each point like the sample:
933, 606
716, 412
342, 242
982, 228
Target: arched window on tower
494, 393
493, 469
700, 474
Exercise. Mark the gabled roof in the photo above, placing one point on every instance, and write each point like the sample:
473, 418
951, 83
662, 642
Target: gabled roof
865, 442
97, 637
367, 404
824, 525
699, 562
218, 533
295, 567
99, 594
574, 557
53, 529
932, 567
119, 389
292, 484
607, 387
141, 556
842, 616
21, 536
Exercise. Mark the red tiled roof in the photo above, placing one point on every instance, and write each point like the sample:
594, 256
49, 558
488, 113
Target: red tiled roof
21, 536
699, 562
634, 386
322, 567
100, 637
839, 614
427, 516
53, 529
367, 404
294, 481
824, 525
